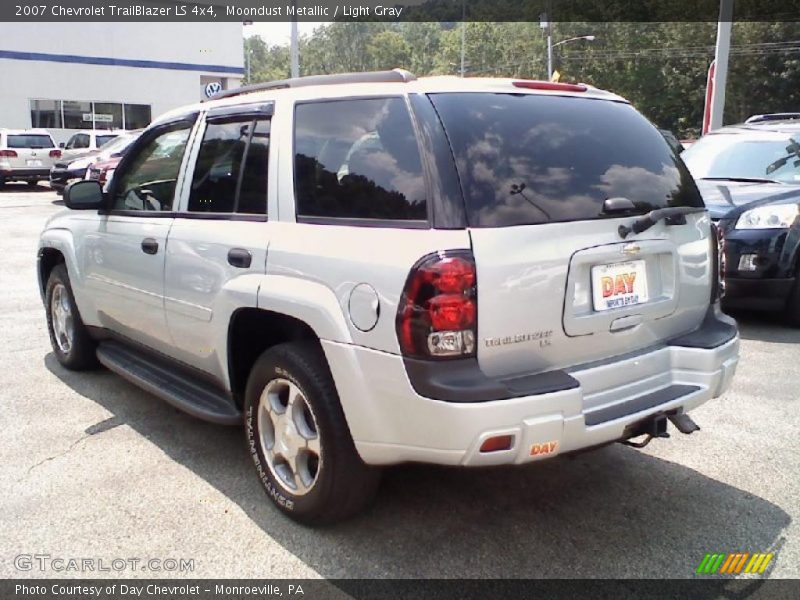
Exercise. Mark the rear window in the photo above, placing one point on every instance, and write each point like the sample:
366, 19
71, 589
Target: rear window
528, 159
32, 141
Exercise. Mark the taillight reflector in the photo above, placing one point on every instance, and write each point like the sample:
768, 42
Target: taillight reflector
55, 153
497, 443
8, 154
550, 85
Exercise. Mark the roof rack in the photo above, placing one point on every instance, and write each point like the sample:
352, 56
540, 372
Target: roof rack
393, 76
788, 116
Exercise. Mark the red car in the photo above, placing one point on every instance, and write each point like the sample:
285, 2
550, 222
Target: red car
103, 171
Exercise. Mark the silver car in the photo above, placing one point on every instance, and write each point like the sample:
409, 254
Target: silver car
26, 155
365, 270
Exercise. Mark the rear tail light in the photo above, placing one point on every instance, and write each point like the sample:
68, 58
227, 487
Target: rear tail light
55, 153
718, 259
550, 85
438, 312
8, 154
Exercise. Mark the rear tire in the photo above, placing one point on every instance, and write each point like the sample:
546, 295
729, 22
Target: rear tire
792, 311
298, 437
73, 346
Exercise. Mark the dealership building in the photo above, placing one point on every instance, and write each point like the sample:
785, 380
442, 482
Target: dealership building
67, 77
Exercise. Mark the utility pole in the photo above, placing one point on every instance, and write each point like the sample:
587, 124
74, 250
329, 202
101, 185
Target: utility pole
721, 54
463, 34
294, 50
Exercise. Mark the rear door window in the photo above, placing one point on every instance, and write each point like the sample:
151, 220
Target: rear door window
530, 158
230, 175
358, 159
32, 141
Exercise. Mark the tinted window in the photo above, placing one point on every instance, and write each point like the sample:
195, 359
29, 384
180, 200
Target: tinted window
30, 141
77, 115
80, 141
137, 116
46, 113
215, 184
358, 159
149, 179
253, 192
107, 115
525, 158
102, 140
758, 156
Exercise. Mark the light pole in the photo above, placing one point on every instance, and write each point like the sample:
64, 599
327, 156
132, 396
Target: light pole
550, 46
294, 51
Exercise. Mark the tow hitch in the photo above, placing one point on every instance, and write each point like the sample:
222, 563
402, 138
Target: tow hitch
656, 427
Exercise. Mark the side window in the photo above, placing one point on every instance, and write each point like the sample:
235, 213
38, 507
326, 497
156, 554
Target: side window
71, 143
358, 159
230, 175
149, 180
81, 141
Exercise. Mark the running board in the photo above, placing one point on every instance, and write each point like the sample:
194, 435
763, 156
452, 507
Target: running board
190, 395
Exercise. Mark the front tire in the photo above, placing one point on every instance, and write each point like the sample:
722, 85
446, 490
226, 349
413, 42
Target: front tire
73, 346
299, 440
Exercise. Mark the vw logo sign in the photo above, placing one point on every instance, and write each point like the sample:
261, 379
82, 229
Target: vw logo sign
215, 87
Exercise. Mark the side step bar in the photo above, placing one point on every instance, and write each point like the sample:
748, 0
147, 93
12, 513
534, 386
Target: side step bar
182, 392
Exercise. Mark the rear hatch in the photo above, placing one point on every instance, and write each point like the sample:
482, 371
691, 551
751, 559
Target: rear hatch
33, 150
557, 284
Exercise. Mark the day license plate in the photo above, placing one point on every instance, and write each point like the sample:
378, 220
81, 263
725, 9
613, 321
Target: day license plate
34, 163
619, 284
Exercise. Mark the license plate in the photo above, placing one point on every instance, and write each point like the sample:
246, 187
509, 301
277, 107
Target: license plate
618, 285
33, 163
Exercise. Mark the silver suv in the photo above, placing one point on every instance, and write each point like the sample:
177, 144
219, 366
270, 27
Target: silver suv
372, 269
26, 155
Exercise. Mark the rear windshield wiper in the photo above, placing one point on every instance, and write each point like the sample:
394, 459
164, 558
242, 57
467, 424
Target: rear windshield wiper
742, 179
654, 216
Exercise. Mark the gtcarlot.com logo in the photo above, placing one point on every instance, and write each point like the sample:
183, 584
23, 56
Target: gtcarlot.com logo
72, 564
734, 563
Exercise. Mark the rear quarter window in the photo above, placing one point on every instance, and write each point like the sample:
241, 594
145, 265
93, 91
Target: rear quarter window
530, 158
358, 159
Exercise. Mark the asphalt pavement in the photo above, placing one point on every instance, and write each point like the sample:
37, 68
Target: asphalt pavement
94, 468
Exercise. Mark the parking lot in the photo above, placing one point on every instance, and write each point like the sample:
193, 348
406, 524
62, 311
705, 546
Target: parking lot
93, 467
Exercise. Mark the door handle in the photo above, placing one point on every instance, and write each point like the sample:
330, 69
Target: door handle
239, 257
149, 246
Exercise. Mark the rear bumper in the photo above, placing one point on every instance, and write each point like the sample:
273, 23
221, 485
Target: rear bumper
24, 174
391, 423
757, 294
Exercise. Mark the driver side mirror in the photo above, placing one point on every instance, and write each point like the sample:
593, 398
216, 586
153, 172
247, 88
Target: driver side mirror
84, 195
62, 145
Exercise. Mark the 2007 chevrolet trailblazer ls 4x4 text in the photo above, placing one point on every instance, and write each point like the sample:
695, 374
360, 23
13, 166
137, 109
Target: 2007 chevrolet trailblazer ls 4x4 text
371, 269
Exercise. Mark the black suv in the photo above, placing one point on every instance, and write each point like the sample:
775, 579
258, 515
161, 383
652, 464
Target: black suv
749, 176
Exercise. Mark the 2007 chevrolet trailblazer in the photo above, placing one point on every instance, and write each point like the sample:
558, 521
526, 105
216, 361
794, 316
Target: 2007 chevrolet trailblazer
370, 269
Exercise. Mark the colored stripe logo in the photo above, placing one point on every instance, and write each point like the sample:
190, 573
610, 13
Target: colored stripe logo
738, 562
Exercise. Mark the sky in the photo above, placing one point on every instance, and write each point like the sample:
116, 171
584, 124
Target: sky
278, 32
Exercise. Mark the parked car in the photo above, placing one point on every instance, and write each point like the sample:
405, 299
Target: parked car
26, 155
107, 160
84, 142
372, 269
749, 176
65, 171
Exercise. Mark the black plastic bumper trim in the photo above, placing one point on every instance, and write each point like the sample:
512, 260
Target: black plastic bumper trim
463, 381
715, 330
623, 409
